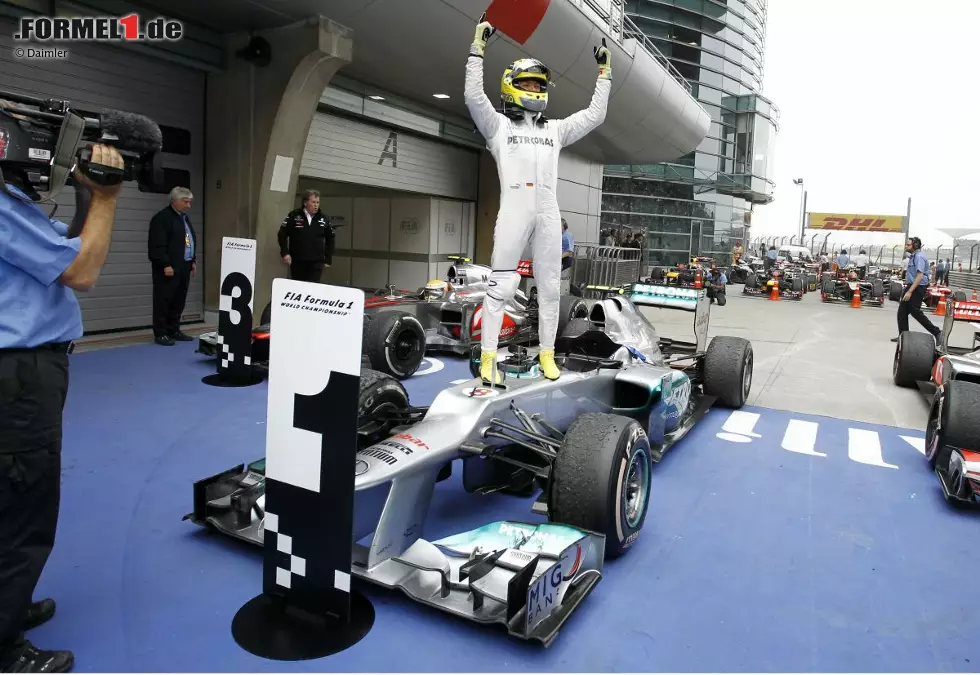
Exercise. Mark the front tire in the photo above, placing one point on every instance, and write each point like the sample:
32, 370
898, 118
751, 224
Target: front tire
727, 370
601, 479
379, 393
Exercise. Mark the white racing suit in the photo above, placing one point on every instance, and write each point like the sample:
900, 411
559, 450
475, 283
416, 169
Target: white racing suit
526, 151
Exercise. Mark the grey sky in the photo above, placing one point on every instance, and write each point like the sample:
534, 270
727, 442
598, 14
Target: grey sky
876, 98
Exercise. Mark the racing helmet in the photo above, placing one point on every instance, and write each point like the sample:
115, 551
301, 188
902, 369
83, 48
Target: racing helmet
436, 288
513, 93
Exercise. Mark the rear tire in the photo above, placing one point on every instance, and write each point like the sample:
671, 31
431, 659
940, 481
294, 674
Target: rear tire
394, 343
570, 307
878, 290
751, 280
915, 354
827, 284
727, 370
266, 318
895, 291
601, 479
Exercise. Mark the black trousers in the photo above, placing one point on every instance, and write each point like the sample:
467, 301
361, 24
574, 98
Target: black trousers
913, 307
306, 270
33, 388
169, 297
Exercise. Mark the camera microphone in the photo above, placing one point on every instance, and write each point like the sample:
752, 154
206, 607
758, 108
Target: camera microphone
129, 131
131, 134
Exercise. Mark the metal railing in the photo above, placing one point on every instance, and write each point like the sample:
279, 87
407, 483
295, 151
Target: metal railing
632, 32
964, 281
613, 14
599, 265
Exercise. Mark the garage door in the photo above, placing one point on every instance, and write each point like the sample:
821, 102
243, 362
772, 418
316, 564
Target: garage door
343, 149
97, 76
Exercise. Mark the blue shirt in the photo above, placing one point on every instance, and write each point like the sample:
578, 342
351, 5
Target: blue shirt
918, 263
188, 239
35, 308
842, 260
771, 254
722, 279
567, 243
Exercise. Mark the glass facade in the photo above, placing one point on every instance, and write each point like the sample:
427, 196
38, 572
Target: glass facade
701, 203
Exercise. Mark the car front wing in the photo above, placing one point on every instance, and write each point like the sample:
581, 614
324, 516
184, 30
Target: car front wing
528, 577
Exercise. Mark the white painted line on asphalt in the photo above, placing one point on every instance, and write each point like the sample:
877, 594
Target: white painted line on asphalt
864, 447
801, 437
738, 427
917, 443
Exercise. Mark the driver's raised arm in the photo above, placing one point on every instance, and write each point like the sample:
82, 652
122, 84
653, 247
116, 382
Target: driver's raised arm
578, 125
486, 118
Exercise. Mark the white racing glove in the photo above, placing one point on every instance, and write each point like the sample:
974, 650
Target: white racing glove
604, 59
483, 32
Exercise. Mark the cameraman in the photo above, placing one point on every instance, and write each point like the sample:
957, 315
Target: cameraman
41, 262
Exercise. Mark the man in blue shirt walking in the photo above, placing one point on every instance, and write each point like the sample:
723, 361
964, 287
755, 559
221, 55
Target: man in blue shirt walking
916, 281
42, 261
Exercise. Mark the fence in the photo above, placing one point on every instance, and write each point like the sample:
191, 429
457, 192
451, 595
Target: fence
965, 281
598, 265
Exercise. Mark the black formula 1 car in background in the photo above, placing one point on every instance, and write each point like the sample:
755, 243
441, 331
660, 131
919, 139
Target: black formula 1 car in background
841, 285
789, 288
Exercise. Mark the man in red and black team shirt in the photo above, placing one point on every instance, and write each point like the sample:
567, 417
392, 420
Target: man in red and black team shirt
306, 240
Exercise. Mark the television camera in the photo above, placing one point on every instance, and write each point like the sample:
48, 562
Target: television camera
43, 140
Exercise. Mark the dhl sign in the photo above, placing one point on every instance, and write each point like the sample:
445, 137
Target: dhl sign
852, 222
966, 311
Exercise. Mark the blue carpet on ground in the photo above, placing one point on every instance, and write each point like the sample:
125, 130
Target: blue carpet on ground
774, 542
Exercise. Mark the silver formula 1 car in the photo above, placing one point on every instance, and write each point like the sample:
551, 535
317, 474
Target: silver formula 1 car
401, 326
585, 444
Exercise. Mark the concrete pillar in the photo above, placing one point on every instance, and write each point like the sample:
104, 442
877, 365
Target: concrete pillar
258, 119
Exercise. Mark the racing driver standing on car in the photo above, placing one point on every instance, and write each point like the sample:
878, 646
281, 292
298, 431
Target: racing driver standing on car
525, 145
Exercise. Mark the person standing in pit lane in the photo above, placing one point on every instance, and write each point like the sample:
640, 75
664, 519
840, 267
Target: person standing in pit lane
916, 281
306, 240
42, 261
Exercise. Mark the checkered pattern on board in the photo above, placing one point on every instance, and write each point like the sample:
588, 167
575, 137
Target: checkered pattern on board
297, 565
227, 356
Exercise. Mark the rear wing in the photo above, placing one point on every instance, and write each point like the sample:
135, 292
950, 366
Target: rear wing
959, 311
694, 300
459, 258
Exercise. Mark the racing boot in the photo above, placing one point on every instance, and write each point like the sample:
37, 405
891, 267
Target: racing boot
488, 368
548, 366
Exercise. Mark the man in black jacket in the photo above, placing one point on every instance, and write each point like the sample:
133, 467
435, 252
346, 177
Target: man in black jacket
306, 240
172, 245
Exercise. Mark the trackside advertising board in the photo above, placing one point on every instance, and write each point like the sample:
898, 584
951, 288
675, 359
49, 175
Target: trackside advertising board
311, 443
235, 307
856, 222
